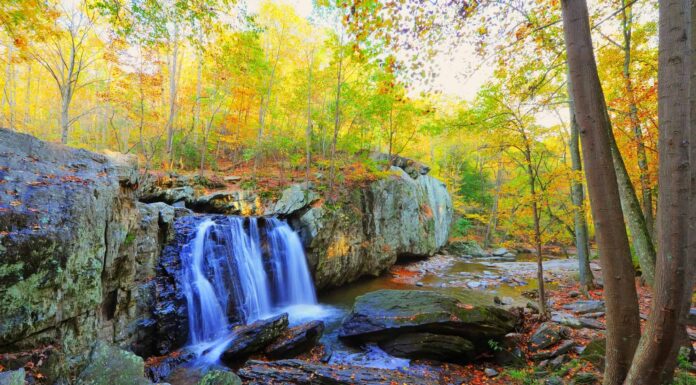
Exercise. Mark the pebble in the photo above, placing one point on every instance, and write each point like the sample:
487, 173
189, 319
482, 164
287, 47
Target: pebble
490, 372
419, 284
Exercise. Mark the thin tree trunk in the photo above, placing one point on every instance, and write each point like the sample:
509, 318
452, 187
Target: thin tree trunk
172, 96
577, 195
656, 356
537, 227
308, 132
27, 99
622, 319
337, 121
646, 189
640, 235
493, 223
199, 85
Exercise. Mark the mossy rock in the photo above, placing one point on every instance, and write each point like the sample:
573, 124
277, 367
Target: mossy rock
109, 365
594, 352
383, 314
220, 377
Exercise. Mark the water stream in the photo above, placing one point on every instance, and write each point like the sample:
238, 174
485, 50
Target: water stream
243, 268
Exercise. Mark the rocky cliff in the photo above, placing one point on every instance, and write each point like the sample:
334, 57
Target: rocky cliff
365, 232
77, 250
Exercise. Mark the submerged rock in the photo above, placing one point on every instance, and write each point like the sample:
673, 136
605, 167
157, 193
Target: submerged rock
110, 365
13, 377
297, 372
252, 338
296, 340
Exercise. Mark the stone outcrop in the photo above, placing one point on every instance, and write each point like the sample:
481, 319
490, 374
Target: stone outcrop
77, 250
426, 324
365, 232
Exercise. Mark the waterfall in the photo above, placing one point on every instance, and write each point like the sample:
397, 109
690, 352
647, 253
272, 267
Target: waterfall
244, 269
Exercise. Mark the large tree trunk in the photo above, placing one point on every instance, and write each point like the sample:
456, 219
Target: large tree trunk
623, 322
640, 235
656, 356
577, 195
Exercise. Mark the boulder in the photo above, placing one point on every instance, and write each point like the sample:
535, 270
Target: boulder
576, 323
439, 347
220, 377
296, 340
547, 335
294, 198
252, 338
296, 372
111, 365
385, 315
13, 377
500, 252
461, 248
228, 202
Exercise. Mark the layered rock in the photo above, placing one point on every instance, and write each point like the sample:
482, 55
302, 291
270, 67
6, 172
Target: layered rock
426, 324
77, 250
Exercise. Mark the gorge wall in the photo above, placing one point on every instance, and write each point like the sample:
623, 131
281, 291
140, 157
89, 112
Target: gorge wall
80, 251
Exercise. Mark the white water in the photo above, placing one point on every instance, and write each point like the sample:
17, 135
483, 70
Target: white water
239, 267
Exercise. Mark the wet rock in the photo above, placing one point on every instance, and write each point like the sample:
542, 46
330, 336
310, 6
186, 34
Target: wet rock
430, 346
296, 340
110, 365
163, 369
296, 372
595, 352
220, 377
547, 335
490, 372
252, 338
13, 377
589, 306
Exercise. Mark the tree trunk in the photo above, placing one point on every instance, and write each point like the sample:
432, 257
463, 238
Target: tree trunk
172, 96
64, 114
27, 99
640, 235
646, 189
656, 356
308, 131
337, 122
537, 227
577, 194
493, 223
623, 322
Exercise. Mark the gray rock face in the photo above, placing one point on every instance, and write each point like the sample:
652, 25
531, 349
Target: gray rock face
296, 340
252, 338
430, 346
77, 251
365, 232
547, 335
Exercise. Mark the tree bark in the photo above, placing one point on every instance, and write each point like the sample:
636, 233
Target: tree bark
640, 235
172, 96
337, 119
493, 223
537, 226
308, 130
623, 322
656, 356
577, 194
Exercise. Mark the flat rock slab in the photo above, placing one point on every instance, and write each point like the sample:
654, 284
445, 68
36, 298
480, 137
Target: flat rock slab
582, 307
385, 314
430, 346
547, 335
299, 372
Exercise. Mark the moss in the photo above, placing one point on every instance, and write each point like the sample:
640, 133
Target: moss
130, 237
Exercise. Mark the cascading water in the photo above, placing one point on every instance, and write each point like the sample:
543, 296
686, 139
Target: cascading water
243, 268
